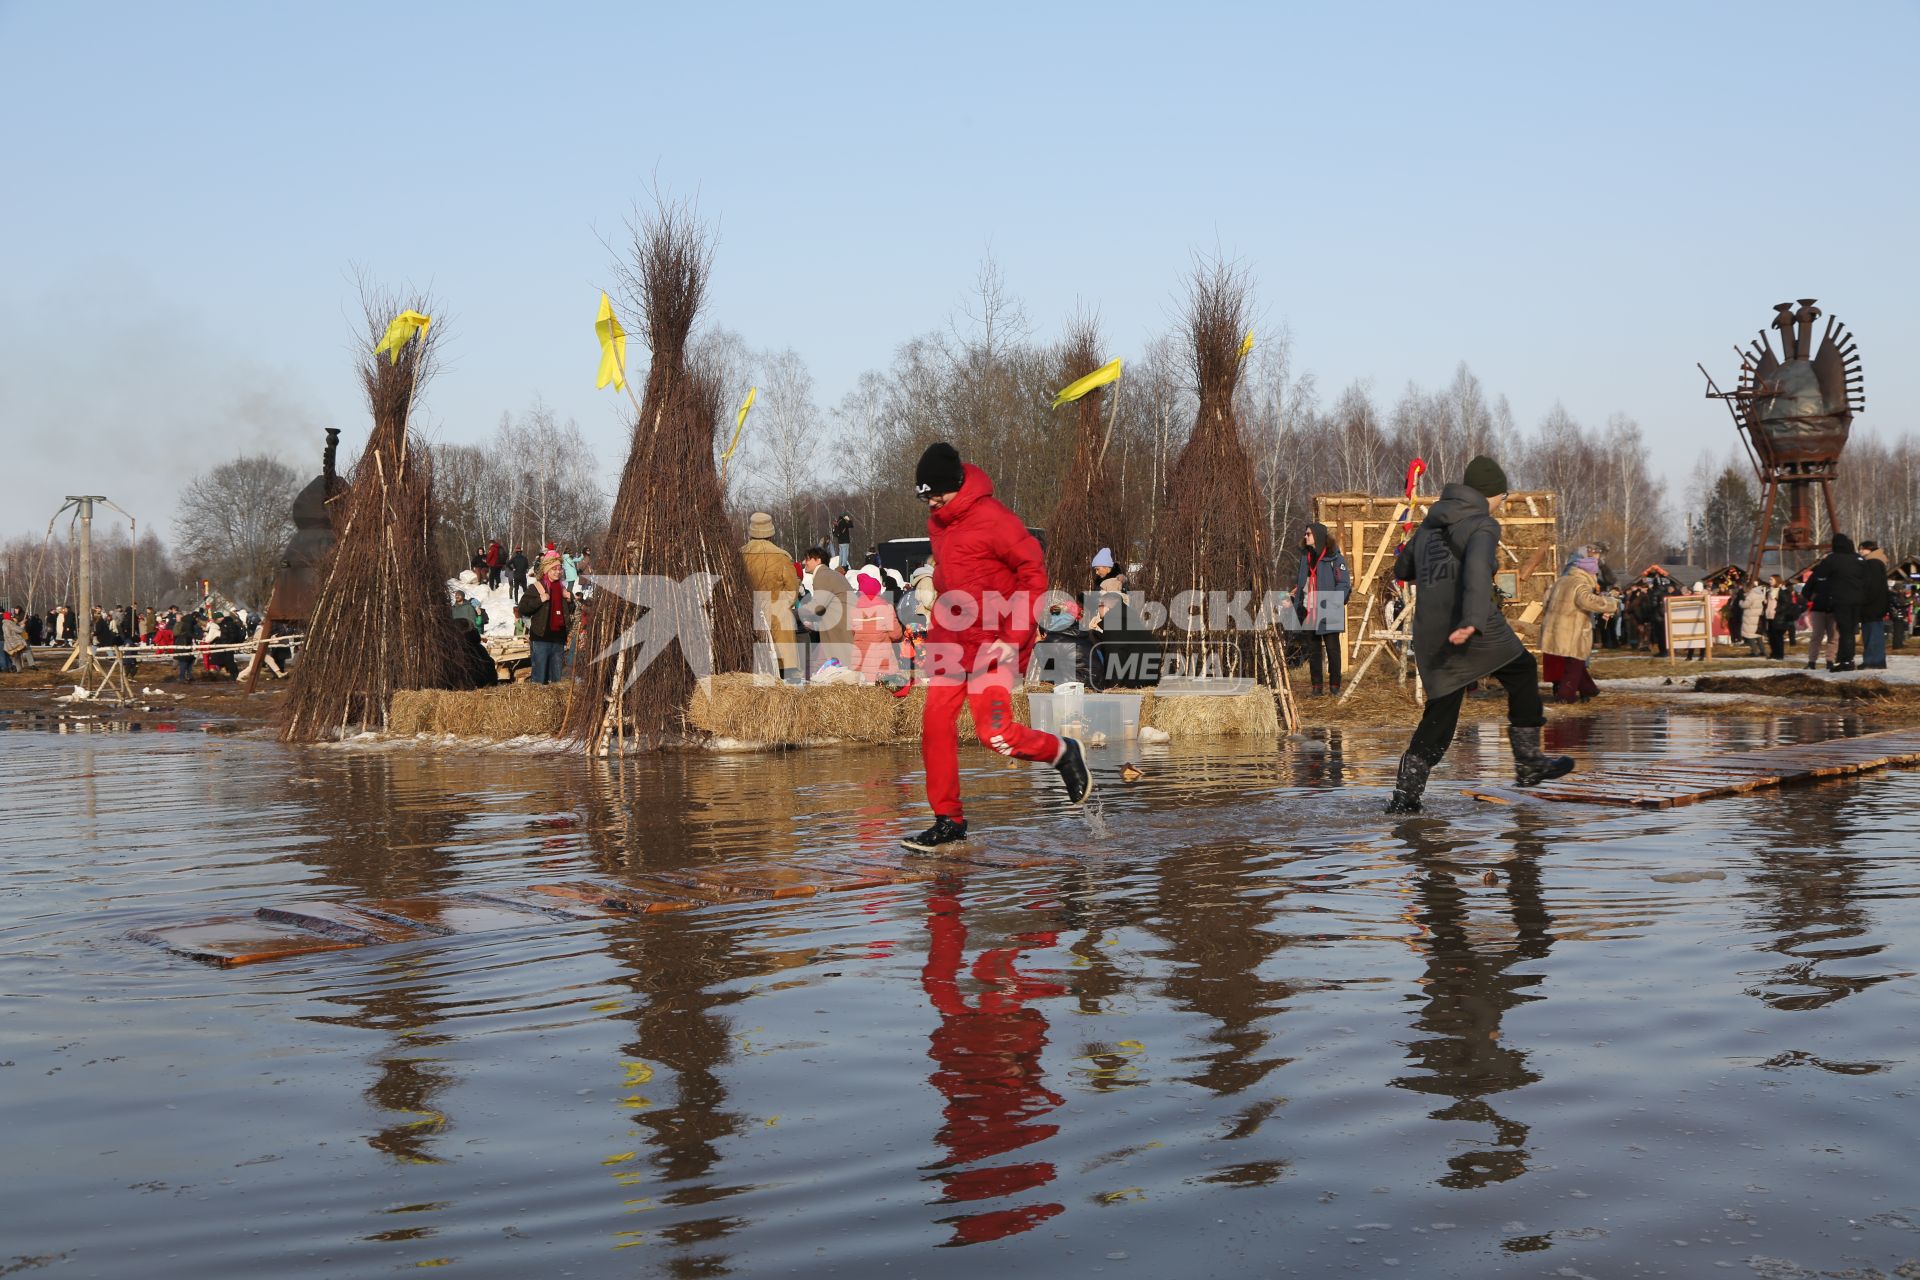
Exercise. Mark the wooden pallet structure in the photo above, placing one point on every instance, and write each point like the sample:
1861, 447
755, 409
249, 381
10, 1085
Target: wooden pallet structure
284, 931
1669, 782
1370, 527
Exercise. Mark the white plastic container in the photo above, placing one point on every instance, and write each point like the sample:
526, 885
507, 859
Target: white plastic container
1097, 719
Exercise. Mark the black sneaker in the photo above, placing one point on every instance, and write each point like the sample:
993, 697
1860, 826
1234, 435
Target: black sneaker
943, 831
1073, 770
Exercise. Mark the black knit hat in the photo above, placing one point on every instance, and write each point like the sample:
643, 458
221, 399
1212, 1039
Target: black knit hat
939, 470
1485, 475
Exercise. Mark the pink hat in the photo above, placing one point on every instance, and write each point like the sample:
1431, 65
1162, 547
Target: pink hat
869, 585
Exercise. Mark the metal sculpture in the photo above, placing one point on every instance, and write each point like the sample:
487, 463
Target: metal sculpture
1794, 411
298, 582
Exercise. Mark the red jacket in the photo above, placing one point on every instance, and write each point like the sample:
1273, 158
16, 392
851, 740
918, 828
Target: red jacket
984, 555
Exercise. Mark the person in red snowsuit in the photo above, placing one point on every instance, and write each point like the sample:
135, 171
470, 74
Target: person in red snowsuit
989, 1067
989, 576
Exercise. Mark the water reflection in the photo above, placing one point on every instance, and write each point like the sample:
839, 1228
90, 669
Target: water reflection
385, 829
987, 1070
684, 979
1812, 876
1469, 984
1216, 915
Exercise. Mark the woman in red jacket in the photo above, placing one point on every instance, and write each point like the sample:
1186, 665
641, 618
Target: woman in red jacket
989, 576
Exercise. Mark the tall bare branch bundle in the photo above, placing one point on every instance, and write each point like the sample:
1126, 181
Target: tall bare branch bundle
1089, 515
380, 623
1209, 536
669, 516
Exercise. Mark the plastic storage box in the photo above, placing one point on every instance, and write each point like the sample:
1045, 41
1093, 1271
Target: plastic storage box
1097, 719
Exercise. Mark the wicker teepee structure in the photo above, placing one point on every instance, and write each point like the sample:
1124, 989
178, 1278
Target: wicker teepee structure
669, 519
380, 621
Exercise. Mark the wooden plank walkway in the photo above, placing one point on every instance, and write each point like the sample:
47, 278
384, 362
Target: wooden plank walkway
284, 931
1664, 784
287, 930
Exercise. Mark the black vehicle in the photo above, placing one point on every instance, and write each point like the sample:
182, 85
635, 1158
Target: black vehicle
904, 555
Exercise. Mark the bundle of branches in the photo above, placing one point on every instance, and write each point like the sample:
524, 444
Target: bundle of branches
1208, 538
669, 518
1089, 515
380, 622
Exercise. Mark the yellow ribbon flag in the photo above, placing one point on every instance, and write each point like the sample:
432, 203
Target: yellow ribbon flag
400, 333
1098, 378
740, 422
613, 346
1246, 344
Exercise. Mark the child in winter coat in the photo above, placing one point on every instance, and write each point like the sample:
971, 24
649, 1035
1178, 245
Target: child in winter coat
875, 629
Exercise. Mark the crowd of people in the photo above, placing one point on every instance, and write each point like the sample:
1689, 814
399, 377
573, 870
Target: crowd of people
192, 640
493, 564
1848, 608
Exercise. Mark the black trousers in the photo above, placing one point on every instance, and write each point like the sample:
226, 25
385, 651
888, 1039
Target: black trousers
1520, 678
1846, 618
1777, 643
1319, 645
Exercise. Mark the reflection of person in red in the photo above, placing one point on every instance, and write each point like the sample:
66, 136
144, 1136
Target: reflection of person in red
987, 1067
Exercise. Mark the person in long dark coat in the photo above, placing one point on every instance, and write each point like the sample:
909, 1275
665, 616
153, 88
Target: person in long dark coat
1838, 588
1320, 603
1460, 635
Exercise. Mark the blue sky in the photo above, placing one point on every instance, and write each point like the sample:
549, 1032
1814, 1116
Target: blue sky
1579, 203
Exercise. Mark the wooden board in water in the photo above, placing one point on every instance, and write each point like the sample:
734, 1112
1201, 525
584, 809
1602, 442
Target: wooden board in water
1658, 784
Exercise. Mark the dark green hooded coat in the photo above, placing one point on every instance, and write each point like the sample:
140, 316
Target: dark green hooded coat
1451, 559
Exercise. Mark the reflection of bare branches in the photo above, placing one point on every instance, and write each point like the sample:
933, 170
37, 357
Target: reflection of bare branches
1468, 988
685, 976
1214, 924
1814, 883
410, 1077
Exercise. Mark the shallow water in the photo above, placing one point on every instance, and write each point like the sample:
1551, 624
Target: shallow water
1250, 1028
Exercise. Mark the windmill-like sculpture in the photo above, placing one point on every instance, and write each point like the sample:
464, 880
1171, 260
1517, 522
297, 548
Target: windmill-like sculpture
1794, 411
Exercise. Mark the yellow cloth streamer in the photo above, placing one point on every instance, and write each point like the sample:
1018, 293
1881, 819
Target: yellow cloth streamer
400, 333
1098, 378
613, 346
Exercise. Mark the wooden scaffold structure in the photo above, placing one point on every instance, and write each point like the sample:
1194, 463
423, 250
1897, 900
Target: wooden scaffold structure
1373, 528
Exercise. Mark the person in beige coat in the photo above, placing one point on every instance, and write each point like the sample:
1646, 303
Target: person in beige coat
1566, 637
776, 586
827, 611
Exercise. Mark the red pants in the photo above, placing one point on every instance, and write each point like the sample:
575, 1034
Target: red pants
1569, 678
989, 695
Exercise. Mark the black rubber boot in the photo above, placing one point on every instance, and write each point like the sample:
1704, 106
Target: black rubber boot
944, 830
1072, 765
1410, 785
1531, 765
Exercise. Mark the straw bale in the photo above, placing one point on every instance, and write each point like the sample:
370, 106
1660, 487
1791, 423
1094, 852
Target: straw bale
755, 709
1253, 714
499, 713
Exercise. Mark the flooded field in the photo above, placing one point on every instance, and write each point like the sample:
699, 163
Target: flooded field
1249, 1027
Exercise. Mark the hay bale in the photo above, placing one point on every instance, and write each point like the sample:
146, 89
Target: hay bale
761, 711
745, 707
1253, 714
497, 714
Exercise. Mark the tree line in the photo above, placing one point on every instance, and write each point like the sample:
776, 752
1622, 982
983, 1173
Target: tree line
985, 381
